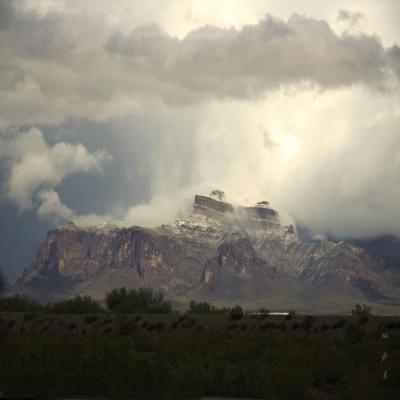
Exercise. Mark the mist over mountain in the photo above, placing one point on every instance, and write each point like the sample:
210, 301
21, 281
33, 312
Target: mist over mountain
120, 112
222, 253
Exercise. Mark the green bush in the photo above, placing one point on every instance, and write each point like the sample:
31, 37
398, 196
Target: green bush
29, 316
236, 313
77, 305
91, 318
19, 302
200, 308
340, 323
144, 300
290, 315
205, 308
361, 310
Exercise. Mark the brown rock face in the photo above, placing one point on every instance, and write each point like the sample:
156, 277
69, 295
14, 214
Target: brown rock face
79, 257
220, 252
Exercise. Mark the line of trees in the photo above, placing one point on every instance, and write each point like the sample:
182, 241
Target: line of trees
120, 301
143, 300
132, 301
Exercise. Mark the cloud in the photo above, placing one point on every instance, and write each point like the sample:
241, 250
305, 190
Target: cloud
350, 17
277, 109
57, 66
52, 208
33, 165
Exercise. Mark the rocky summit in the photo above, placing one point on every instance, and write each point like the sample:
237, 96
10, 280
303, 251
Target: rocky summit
221, 253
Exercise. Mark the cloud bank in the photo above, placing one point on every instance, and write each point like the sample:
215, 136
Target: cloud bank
283, 109
56, 67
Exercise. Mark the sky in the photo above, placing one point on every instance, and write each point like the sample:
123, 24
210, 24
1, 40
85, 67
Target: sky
124, 110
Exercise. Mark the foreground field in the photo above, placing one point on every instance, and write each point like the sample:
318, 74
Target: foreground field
174, 356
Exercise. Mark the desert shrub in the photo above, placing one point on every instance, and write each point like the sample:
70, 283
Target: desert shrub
325, 327
91, 318
126, 326
174, 324
205, 308
189, 323
340, 323
355, 333
308, 322
77, 305
160, 326
282, 327
393, 325
107, 331
295, 326
200, 308
236, 313
143, 300
11, 323
290, 315
267, 325
19, 302
145, 324
29, 316
72, 326
361, 310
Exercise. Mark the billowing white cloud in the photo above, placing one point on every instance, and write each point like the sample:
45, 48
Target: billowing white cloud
52, 208
32, 165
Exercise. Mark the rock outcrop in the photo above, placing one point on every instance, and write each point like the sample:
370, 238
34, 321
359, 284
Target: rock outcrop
220, 252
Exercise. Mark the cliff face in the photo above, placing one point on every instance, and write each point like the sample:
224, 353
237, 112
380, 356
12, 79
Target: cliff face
219, 252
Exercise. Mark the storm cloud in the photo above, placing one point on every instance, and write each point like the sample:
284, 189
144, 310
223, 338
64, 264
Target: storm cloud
124, 110
56, 67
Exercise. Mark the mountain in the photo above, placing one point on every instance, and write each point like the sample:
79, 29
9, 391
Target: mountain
221, 253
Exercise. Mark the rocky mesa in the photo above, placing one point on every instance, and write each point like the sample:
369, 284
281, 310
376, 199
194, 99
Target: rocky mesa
221, 253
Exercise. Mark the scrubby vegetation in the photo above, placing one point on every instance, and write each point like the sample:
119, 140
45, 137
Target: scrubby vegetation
77, 305
53, 351
150, 359
19, 303
236, 313
143, 300
361, 310
205, 308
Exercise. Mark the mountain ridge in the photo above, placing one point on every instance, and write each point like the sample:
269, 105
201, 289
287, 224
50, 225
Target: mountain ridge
221, 253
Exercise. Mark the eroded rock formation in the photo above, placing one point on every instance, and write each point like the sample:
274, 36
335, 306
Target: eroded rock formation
220, 252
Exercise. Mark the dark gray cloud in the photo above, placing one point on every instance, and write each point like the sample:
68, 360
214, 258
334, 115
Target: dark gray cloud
56, 67
212, 62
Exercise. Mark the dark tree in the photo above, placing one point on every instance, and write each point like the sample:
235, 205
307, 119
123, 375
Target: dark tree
143, 300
